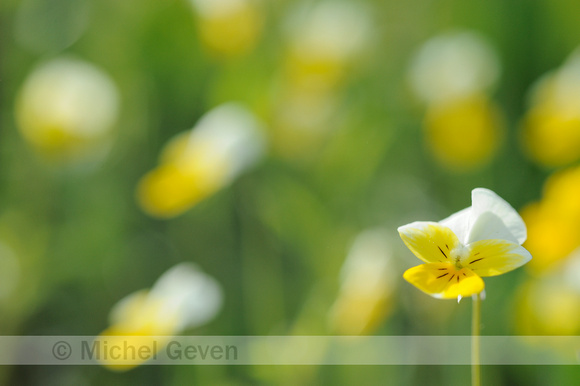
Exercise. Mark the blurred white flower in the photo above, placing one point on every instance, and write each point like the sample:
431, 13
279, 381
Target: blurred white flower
217, 8
334, 30
551, 127
550, 304
560, 89
226, 141
183, 297
229, 28
324, 42
452, 66
367, 284
67, 108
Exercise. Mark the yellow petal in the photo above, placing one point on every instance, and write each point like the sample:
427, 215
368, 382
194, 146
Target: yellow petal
552, 237
444, 280
231, 32
170, 190
359, 313
464, 133
429, 241
552, 137
494, 257
118, 351
140, 331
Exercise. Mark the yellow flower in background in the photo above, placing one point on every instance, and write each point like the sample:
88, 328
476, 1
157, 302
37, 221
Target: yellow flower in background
554, 221
561, 192
229, 28
303, 121
452, 74
481, 240
464, 133
183, 297
66, 110
367, 285
196, 164
324, 40
551, 127
550, 304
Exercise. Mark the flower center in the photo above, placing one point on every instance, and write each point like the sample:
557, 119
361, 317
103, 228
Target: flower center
459, 254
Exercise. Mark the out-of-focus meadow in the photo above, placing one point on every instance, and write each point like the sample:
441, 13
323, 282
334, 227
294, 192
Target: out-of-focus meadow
240, 167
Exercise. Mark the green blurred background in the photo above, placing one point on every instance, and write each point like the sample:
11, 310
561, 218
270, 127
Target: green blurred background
76, 240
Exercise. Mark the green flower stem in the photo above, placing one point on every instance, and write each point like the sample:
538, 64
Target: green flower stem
475, 327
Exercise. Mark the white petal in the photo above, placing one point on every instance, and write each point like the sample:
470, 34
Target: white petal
229, 133
488, 226
369, 264
459, 223
194, 295
453, 65
484, 200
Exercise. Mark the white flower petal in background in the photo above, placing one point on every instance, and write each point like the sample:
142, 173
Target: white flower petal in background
226, 142
453, 66
367, 284
189, 292
550, 304
560, 89
183, 297
66, 107
551, 126
232, 136
218, 8
229, 28
368, 263
571, 271
337, 30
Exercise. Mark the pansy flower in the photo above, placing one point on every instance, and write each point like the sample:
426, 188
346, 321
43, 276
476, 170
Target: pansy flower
182, 298
482, 240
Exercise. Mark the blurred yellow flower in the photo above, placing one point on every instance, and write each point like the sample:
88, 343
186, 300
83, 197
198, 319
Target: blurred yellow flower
554, 222
551, 127
464, 133
452, 74
324, 40
194, 165
66, 109
482, 240
550, 304
229, 28
303, 121
366, 288
552, 139
183, 297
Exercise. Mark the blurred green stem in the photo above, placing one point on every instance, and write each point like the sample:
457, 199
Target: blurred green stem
475, 325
